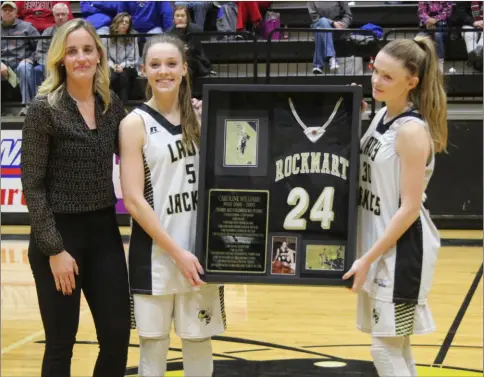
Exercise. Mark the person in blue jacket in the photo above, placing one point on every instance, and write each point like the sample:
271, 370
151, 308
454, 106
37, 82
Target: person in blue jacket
99, 14
148, 17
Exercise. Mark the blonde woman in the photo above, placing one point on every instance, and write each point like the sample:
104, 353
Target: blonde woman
69, 137
397, 240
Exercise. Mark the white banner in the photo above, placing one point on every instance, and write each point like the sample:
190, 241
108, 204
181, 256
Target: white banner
12, 193
13, 200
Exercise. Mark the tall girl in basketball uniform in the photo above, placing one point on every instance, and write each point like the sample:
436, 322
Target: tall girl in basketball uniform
397, 241
159, 150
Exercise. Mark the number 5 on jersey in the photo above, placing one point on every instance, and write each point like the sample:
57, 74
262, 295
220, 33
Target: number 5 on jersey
191, 172
322, 210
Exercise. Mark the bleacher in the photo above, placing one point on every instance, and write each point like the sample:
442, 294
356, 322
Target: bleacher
289, 61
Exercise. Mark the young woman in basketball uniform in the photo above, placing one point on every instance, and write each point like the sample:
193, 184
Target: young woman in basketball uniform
397, 241
284, 259
159, 150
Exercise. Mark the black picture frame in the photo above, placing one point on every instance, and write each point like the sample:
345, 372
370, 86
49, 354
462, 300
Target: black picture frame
208, 149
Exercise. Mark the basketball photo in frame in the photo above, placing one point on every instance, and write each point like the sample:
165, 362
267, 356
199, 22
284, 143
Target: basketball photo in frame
284, 255
320, 257
241, 143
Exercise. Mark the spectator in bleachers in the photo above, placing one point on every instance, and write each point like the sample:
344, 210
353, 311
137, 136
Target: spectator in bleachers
199, 10
434, 15
327, 15
123, 56
61, 16
39, 13
99, 14
226, 17
148, 17
469, 16
198, 63
18, 55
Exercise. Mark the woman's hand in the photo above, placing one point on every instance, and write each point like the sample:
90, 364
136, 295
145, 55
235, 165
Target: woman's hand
63, 267
190, 267
359, 270
197, 106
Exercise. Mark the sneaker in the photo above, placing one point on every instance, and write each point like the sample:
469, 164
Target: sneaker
473, 54
333, 64
317, 71
441, 65
23, 112
475, 58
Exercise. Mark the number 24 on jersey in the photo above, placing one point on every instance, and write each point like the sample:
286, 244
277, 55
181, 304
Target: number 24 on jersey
321, 211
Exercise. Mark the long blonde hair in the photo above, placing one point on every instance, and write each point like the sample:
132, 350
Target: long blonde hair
188, 117
420, 58
55, 83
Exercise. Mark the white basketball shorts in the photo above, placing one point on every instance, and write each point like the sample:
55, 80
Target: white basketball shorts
380, 318
197, 315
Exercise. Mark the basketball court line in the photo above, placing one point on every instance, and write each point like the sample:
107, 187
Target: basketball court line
457, 242
271, 345
442, 353
31, 337
21, 342
369, 345
25, 230
458, 319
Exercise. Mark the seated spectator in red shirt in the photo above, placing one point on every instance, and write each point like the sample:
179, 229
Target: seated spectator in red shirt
39, 13
61, 16
18, 55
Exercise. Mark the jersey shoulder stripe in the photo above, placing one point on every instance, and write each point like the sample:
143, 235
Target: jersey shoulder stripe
161, 120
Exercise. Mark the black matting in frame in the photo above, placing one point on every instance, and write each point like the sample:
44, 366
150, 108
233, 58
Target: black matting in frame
278, 162
239, 139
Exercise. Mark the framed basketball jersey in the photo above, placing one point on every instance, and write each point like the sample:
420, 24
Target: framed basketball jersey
278, 183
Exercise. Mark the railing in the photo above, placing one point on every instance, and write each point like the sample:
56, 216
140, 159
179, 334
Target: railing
212, 41
354, 54
447, 36
247, 57
282, 58
461, 90
345, 46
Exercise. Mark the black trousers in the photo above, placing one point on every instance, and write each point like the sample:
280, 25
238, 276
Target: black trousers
94, 241
122, 83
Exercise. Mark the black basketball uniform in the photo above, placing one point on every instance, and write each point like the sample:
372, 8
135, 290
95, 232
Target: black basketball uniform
284, 256
310, 157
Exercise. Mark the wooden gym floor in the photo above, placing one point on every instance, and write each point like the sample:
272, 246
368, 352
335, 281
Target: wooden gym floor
272, 330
